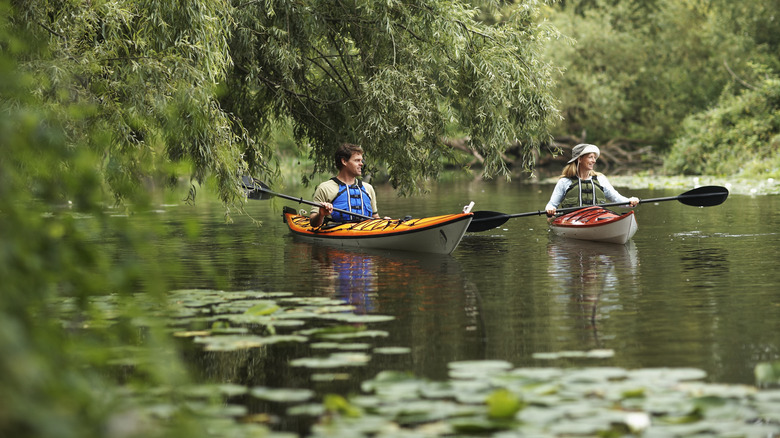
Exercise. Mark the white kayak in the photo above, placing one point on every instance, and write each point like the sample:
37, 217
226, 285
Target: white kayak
596, 224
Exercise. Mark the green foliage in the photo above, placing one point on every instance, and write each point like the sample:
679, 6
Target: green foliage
392, 76
145, 76
634, 71
741, 135
52, 211
634, 74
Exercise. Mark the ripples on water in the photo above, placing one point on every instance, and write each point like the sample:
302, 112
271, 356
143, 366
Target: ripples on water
695, 287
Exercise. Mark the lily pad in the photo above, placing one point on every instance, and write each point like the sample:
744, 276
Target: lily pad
357, 319
285, 395
392, 350
767, 373
335, 360
356, 335
237, 342
340, 346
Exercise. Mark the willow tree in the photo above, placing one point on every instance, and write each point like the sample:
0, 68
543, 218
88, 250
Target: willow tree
147, 74
175, 89
395, 77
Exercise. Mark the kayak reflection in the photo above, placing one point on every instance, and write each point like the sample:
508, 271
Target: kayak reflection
589, 275
348, 275
434, 303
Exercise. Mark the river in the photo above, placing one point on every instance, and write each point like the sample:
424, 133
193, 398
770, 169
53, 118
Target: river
695, 287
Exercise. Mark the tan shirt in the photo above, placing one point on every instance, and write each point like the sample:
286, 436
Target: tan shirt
327, 191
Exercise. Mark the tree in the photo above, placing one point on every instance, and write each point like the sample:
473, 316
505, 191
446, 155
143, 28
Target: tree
741, 135
635, 73
148, 73
393, 77
203, 84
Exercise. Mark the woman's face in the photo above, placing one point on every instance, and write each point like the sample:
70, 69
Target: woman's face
587, 162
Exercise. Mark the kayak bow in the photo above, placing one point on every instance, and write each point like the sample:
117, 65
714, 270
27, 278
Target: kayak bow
597, 224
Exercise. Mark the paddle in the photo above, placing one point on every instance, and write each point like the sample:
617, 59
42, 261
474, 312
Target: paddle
258, 190
705, 196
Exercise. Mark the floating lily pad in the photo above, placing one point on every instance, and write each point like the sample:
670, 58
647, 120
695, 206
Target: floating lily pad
357, 319
329, 377
217, 410
192, 333
767, 373
229, 330
210, 390
311, 410
311, 301
237, 342
320, 331
669, 375
335, 360
356, 335
340, 346
592, 354
392, 350
477, 368
285, 395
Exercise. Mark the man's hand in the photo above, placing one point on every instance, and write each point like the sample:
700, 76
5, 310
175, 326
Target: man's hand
316, 219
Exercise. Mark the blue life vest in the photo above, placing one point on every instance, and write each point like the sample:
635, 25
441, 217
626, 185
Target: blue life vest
352, 198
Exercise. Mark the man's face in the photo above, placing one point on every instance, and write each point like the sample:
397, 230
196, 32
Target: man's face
355, 164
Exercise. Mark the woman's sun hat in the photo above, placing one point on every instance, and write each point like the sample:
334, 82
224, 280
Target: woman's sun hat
583, 149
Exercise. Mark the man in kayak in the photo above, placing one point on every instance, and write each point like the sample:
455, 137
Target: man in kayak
344, 191
580, 185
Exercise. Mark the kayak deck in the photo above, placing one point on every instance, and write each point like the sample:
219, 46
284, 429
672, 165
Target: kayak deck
435, 234
596, 224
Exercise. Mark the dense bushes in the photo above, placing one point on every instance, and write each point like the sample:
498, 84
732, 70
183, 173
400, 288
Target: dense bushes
635, 71
741, 135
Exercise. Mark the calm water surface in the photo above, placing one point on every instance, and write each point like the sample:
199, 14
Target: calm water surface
696, 287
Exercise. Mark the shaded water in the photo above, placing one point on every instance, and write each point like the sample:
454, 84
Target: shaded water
696, 287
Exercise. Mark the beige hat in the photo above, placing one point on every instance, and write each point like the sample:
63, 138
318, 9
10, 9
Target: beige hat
582, 149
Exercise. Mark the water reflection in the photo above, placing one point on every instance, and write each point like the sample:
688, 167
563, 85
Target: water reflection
347, 275
588, 276
433, 302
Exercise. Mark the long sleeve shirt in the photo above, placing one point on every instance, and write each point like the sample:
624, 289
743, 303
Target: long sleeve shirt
564, 183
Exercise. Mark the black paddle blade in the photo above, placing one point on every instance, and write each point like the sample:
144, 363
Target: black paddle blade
255, 188
486, 220
705, 196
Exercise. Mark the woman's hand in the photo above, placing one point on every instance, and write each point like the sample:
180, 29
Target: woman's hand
633, 201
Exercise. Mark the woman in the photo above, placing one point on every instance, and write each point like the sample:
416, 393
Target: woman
580, 185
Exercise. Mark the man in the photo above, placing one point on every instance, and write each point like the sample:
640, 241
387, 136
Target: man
345, 191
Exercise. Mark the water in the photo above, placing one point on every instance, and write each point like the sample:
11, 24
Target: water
696, 287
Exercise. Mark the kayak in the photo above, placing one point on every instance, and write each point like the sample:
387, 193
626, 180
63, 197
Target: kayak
597, 224
436, 234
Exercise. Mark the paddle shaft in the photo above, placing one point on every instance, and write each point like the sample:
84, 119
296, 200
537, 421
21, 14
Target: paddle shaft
702, 197
570, 209
304, 201
613, 204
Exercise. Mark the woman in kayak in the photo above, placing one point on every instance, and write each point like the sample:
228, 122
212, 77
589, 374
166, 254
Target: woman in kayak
580, 185
344, 191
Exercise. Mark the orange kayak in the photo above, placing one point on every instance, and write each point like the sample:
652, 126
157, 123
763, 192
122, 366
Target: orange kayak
436, 234
596, 223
